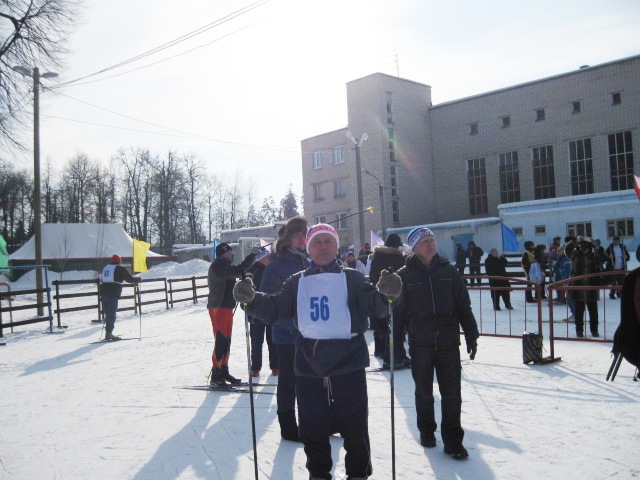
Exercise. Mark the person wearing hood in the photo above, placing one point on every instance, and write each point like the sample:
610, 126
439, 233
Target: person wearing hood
352, 262
110, 291
389, 256
496, 266
329, 305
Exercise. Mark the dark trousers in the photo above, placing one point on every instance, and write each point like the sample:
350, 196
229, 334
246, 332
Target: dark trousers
257, 331
504, 294
286, 393
474, 270
593, 315
446, 363
338, 403
109, 308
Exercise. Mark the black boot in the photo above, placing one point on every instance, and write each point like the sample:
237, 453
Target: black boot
228, 377
216, 377
288, 427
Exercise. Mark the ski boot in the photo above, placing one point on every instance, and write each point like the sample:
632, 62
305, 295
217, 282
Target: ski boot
228, 377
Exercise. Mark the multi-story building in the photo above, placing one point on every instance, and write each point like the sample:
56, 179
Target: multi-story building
564, 137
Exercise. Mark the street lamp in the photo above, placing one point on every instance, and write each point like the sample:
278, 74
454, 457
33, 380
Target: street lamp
381, 191
37, 214
357, 144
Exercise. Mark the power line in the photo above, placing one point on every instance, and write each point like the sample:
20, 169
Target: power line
173, 42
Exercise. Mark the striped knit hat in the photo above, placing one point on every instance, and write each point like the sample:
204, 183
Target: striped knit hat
321, 228
418, 234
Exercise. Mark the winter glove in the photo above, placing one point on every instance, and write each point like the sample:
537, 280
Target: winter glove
390, 284
137, 279
472, 347
255, 250
244, 291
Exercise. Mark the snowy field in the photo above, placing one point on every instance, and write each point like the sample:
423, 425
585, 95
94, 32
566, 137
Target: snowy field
73, 409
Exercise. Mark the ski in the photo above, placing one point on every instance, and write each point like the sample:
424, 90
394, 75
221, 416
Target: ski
229, 389
112, 341
246, 384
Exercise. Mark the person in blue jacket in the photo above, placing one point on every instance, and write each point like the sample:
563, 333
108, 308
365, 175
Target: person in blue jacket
289, 257
329, 304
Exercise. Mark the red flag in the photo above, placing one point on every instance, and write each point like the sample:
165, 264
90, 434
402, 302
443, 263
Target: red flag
636, 180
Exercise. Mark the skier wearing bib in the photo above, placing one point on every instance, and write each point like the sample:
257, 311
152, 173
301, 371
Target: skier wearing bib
110, 290
329, 304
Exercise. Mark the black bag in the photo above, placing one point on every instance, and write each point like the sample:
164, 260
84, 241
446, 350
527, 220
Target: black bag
531, 348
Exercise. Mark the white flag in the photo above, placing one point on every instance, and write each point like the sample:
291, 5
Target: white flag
375, 240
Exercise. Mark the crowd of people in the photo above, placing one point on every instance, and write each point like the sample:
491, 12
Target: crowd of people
314, 305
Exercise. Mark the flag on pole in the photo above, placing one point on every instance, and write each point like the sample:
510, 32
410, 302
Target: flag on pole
140, 250
4, 256
375, 240
215, 245
509, 240
636, 187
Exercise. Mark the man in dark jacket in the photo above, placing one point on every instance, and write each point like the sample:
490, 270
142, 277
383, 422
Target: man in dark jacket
329, 305
290, 257
474, 253
221, 278
618, 256
461, 259
437, 304
496, 266
110, 290
258, 330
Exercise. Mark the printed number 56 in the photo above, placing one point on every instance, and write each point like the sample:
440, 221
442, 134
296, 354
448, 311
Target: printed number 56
319, 308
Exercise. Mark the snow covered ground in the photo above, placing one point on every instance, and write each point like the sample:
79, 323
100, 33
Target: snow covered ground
73, 409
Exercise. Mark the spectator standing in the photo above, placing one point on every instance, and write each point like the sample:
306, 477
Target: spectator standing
528, 259
329, 305
110, 291
461, 260
221, 279
258, 330
542, 258
290, 257
437, 304
474, 254
618, 257
496, 265
585, 258
352, 262
562, 270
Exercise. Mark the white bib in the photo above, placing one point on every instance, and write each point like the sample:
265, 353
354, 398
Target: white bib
107, 273
323, 310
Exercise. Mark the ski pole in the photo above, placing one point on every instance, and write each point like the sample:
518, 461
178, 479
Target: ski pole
253, 417
615, 365
392, 355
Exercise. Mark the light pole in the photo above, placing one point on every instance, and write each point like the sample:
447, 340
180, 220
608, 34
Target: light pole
37, 212
357, 144
381, 191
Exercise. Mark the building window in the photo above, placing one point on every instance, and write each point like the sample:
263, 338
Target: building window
620, 228
394, 191
509, 177
541, 229
393, 170
517, 231
395, 206
341, 222
320, 219
477, 182
544, 182
473, 128
392, 156
505, 121
318, 191
577, 229
317, 160
338, 154
581, 167
576, 106
616, 98
339, 188
392, 134
621, 160
540, 114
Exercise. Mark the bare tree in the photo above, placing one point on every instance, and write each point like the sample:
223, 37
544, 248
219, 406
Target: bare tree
193, 185
32, 33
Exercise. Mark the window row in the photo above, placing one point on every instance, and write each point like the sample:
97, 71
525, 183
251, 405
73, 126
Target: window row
620, 154
339, 221
337, 157
622, 227
540, 113
339, 189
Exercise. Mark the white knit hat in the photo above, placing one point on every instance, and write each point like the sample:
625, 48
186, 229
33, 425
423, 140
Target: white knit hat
321, 228
418, 234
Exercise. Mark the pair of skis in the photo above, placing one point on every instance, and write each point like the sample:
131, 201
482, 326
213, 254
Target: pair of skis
240, 388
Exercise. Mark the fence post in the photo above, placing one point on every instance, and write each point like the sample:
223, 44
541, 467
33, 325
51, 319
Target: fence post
193, 287
166, 295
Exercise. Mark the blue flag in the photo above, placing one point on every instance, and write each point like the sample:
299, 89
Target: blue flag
215, 244
509, 240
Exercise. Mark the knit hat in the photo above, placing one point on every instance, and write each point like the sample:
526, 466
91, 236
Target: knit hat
222, 248
321, 228
393, 240
264, 252
418, 234
116, 258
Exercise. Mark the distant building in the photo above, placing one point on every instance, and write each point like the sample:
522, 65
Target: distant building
564, 144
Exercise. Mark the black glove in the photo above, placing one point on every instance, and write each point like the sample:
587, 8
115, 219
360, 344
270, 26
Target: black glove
389, 284
137, 279
472, 347
244, 291
255, 250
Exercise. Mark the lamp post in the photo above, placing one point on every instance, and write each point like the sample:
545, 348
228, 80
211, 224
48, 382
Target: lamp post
37, 206
381, 191
357, 143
